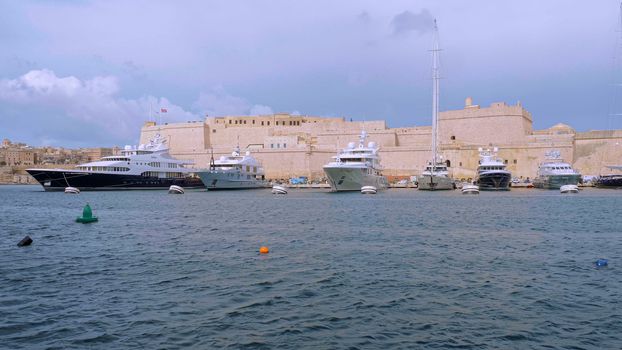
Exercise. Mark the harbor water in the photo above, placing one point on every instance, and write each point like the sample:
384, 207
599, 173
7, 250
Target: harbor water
402, 269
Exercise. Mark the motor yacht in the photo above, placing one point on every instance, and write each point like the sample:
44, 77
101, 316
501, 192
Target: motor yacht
554, 173
491, 172
144, 167
234, 172
355, 167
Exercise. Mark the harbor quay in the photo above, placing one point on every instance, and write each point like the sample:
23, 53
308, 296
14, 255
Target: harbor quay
299, 145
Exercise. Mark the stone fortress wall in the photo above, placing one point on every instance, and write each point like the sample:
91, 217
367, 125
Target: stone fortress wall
294, 145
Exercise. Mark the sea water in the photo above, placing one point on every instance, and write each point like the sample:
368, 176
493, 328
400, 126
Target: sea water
401, 269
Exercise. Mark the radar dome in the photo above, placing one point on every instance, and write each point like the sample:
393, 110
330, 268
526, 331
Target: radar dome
248, 153
351, 145
371, 145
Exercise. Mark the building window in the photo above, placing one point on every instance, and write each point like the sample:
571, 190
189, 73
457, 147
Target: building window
245, 122
268, 123
262, 123
505, 161
460, 163
236, 121
453, 137
229, 121
284, 145
272, 145
278, 145
514, 161
214, 131
253, 121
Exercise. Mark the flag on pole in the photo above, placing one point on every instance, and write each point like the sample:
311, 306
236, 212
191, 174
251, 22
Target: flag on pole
163, 110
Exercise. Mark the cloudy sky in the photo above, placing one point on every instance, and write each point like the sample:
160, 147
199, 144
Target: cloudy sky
86, 73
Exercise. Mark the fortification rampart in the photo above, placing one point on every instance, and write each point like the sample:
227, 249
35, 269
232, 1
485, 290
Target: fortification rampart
291, 145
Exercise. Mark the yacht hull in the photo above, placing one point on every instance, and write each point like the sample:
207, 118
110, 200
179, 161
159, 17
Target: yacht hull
58, 180
494, 181
609, 181
229, 181
435, 183
353, 179
555, 182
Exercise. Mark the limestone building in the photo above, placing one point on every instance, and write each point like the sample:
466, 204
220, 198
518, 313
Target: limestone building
293, 145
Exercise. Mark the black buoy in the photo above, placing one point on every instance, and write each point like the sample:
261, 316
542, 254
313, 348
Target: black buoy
25, 242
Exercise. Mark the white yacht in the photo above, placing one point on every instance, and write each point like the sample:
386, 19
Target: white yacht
491, 172
234, 172
436, 175
355, 167
435, 178
144, 167
555, 173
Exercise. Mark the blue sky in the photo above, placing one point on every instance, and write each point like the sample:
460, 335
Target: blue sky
85, 73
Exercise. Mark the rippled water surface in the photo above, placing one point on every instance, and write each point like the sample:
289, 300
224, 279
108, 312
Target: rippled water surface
402, 269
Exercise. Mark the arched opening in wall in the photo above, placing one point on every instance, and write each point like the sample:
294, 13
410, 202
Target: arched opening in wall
448, 162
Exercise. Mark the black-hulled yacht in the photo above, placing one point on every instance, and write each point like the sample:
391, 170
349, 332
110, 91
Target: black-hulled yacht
610, 181
491, 172
144, 167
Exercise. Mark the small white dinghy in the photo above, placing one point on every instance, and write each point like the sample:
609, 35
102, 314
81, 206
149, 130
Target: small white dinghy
72, 190
470, 189
569, 189
279, 189
174, 189
368, 190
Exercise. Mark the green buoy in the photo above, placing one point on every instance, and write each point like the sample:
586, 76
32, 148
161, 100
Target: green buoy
87, 215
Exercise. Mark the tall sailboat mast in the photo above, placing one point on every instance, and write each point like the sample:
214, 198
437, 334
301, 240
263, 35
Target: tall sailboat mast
435, 93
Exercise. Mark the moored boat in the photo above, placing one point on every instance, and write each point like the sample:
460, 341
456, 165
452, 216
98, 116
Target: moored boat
355, 167
610, 181
174, 189
368, 190
143, 167
234, 172
72, 190
491, 172
436, 175
470, 189
555, 173
279, 189
569, 189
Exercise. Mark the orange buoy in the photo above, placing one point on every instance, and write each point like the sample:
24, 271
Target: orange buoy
264, 250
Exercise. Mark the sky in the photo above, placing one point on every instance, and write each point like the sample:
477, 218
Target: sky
80, 73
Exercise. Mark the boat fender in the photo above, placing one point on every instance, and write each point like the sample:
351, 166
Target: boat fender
26, 241
601, 262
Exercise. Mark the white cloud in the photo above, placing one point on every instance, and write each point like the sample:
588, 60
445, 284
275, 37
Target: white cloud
93, 101
218, 102
261, 110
